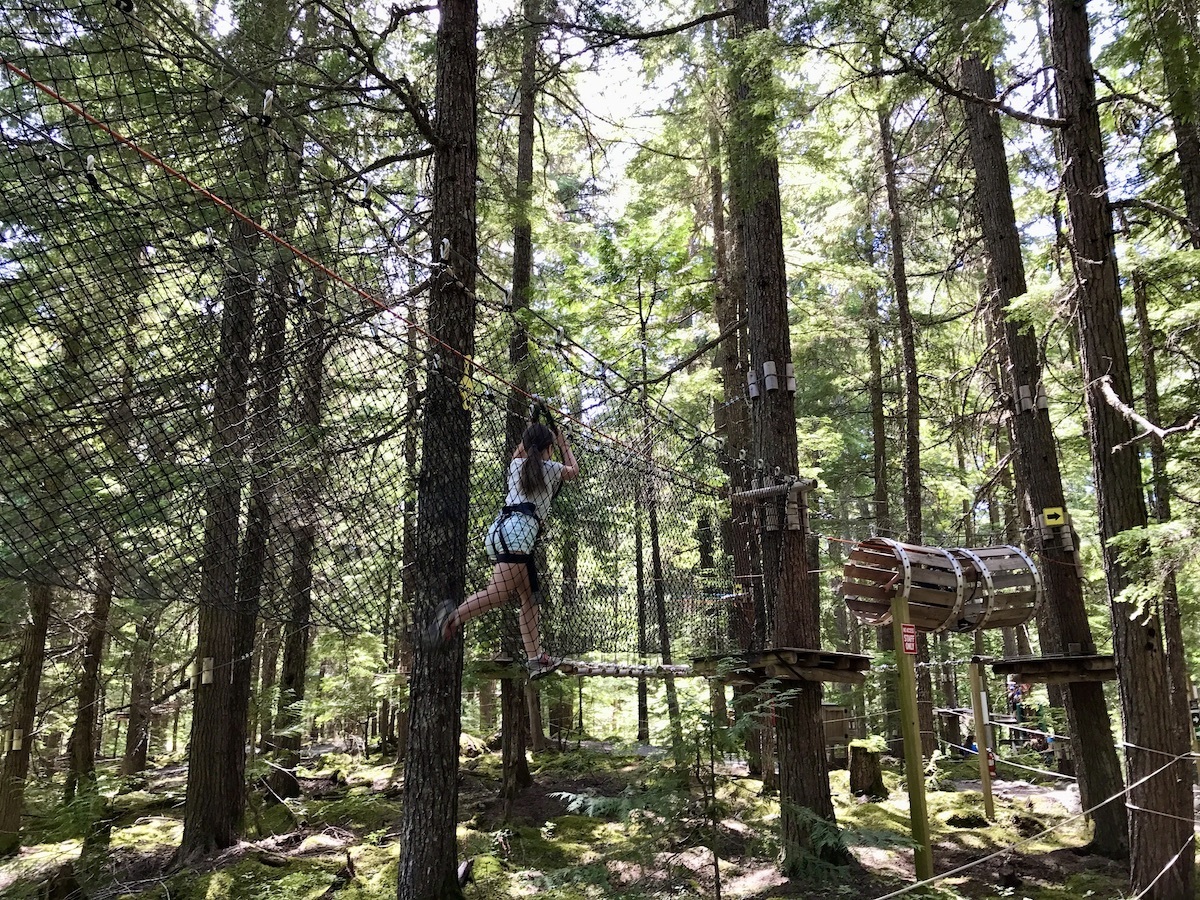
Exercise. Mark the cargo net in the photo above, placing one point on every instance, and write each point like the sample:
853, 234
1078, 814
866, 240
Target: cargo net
212, 347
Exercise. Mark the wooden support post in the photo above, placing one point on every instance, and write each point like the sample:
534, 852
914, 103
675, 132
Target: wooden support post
914, 761
982, 738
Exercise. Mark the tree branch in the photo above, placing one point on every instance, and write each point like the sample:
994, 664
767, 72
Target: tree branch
636, 35
910, 67
1165, 211
1131, 415
700, 351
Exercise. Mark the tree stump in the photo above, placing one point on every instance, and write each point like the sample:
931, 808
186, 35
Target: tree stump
866, 775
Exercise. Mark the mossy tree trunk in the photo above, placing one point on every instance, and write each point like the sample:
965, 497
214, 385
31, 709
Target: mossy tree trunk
16, 760
755, 201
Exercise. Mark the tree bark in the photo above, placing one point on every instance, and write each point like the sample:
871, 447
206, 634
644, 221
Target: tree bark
1154, 712
1038, 467
866, 774
141, 689
286, 737
82, 775
658, 580
643, 625
754, 192
16, 760
515, 720
267, 682
216, 791
427, 869
1180, 60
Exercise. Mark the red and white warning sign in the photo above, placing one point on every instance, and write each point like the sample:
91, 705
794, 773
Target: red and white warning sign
908, 633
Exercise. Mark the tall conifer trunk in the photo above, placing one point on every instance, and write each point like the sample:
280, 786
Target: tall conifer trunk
427, 869
82, 774
1180, 59
514, 699
732, 423
1036, 460
16, 760
754, 192
913, 529
881, 514
141, 687
1154, 712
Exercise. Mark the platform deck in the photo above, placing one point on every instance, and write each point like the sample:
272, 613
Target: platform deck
1058, 669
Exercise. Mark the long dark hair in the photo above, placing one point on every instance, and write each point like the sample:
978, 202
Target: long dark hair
537, 438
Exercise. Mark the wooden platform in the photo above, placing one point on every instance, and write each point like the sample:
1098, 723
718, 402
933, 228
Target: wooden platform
785, 664
504, 667
1057, 669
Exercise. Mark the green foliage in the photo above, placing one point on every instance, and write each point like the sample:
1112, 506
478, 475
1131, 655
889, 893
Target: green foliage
876, 743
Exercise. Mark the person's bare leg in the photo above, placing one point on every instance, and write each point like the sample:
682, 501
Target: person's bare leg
530, 635
506, 578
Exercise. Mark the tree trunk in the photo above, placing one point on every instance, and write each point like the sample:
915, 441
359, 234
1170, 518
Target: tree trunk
1038, 468
515, 774
1160, 502
141, 681
82, 775
427, 869
755, 202
1154, 712
286, 738
1180, 60
267, 682
658, 579
515, 700
913, 529
408, 535
866, 774
16, 760
488, 706
881, 518
215, 796
643, 623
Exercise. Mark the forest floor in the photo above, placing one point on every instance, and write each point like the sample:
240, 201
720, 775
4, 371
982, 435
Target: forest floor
596, 824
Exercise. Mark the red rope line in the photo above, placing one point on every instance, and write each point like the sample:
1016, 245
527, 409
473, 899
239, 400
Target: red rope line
316, 264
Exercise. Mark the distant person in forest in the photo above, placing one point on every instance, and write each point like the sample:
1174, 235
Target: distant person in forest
533, 480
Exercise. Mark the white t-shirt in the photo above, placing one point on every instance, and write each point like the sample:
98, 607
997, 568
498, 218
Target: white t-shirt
553, 472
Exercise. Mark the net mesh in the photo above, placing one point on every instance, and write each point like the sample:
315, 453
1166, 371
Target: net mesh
214, 288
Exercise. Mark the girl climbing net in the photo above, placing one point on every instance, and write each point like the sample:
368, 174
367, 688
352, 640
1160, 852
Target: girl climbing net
533, 480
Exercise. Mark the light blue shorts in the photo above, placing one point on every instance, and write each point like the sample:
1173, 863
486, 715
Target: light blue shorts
512, 534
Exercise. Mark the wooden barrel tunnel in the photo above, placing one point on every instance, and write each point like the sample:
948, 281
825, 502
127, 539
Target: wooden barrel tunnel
947, 589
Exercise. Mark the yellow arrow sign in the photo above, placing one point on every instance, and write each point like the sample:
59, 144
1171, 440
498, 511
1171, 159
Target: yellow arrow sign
1054, 515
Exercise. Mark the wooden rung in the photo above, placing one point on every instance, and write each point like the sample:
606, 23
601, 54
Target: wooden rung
874, 591
944, 599
1013, 579
926, 557
868, 573
1013, 600
942, 577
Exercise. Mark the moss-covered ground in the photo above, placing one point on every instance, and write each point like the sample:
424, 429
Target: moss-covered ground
596, 824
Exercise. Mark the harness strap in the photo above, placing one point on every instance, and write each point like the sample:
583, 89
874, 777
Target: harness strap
508, 556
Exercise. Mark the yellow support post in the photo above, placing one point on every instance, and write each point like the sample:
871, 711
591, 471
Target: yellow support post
910, 728
983, 742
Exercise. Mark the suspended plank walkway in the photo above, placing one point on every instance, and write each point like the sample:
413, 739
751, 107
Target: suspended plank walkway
504, 667
744, 667
1058, 669
784, 664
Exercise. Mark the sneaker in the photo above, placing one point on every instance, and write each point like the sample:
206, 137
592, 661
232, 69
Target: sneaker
441, 627
541, 666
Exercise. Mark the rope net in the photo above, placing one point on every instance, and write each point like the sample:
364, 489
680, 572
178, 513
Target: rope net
212, 282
